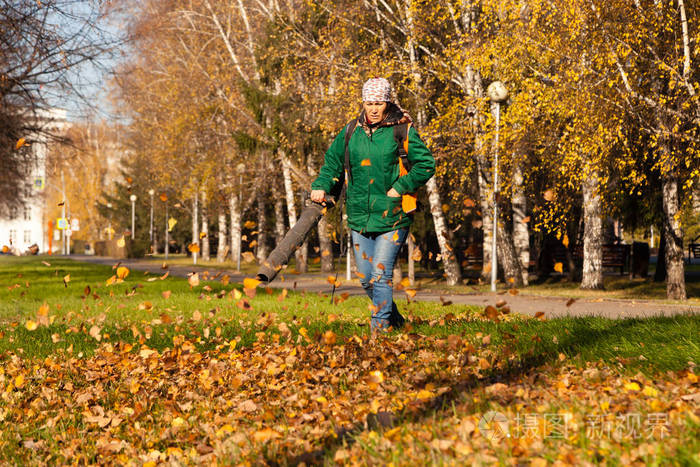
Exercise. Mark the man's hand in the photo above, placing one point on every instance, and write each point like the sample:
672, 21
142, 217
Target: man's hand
393, 193
318, 196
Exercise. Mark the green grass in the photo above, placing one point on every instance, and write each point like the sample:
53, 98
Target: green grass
533, 357
654, 344
616, 287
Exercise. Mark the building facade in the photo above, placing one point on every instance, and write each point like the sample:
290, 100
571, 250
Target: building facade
26, 222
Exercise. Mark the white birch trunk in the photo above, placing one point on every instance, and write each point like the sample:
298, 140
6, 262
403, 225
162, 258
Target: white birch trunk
235, 212
222, 250
592, 231
195, 225
205, 229
325, 245
675, 268
449, 260
411, 262
279, 214
486, 204
521, 237
262, 234
299, 255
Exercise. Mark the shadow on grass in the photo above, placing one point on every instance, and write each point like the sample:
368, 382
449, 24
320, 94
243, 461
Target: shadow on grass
582, 339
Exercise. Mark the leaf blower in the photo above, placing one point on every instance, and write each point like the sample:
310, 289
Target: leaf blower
308, 219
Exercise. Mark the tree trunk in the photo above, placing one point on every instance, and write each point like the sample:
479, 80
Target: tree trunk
205, 229
411, 262
521, 236
486, 203
235, 212
262, 234
325, 245
398, 273
279, 214
660, 273
507, 256
592, 232
195, 226
221, 250
449, 260
299, 254
673, 232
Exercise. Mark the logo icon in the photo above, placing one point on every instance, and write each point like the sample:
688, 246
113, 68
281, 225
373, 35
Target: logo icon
494, 426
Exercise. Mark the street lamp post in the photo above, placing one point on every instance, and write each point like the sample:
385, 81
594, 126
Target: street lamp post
133, 216
150, 231
498, 94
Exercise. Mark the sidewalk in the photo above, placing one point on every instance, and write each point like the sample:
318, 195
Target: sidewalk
521, 303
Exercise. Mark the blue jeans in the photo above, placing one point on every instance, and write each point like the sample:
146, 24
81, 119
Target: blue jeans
375, 255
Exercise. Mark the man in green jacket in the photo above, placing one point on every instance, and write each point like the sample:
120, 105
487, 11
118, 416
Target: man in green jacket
376, 218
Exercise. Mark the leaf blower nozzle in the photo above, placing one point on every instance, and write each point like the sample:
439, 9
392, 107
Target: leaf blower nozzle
308, 219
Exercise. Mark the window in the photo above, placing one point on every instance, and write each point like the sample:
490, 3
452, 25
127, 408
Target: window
27, 213
13, 235
13, 213
27, 236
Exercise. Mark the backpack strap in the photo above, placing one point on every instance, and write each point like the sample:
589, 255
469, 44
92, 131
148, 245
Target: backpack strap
401, 137
409, 202
349, 130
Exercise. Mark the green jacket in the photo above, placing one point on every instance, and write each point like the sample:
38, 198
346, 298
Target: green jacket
374, 162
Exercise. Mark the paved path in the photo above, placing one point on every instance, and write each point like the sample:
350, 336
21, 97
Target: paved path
521, 303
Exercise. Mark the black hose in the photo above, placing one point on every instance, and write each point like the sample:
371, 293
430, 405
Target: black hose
308, 219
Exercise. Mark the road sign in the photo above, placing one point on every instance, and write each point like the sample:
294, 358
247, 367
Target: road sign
74, 225
61, 223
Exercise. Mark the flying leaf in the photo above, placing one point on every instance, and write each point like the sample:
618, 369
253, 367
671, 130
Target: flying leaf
249, 283
249, 225
122, 272
559, 267
121, 242
491, 313
202, 235
224, 279
365, 163
95, 333
166, 294
548, 195
31, 325
417, 255
193, 279
248, 257
66, 280
171, 224
20, 142
193, 248
43, 310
